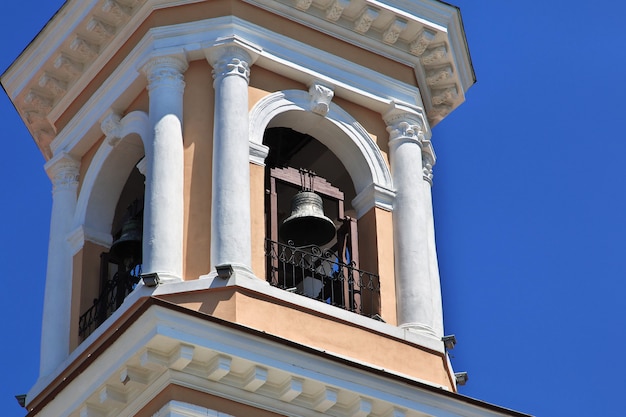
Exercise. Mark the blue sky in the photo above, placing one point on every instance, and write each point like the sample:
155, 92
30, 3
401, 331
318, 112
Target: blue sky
529, 203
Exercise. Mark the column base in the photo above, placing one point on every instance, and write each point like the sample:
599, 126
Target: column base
237, 273
152, 279
422, 329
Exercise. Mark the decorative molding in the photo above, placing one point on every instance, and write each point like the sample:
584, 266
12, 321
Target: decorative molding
435, 55
39, 102
356, 83
111, 126
392, 33
116, 11
166, 71
63, 170
55, 86
321, 97
85, 49
230, 60
365, 20
102, 27
258, 153
446, 95
427, 168
362, 407
303, 4
359, 153
334, 11
373, 196
436, 76
180, 409
405, 123
68, 66
428, 160
291, 389
80, 235
421, 42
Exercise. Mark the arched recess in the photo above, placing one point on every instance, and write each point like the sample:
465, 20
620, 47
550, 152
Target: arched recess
292, 114
339, 132
103, 187
107, 174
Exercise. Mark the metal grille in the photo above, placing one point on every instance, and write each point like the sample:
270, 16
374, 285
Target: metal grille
319, 274
111, 298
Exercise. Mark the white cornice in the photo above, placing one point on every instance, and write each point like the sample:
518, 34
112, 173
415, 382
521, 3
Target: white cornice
77, 43
276, 52
164, 346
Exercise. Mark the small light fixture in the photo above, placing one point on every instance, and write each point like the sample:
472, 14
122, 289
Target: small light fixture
224, 271
21, 399
151, 279
449, 341
461, 378
378, 317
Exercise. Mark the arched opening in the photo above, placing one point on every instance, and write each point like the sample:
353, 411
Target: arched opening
325, 270
120, 265
110, 199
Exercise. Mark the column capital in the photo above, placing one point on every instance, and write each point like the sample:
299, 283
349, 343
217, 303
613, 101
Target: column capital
63, 171
165, 70
405, 122
230, 59
428, 160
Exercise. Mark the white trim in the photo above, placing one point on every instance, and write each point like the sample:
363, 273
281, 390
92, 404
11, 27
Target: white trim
99, 192
360, 154
373, 196
182, 409
170, 347
278, 53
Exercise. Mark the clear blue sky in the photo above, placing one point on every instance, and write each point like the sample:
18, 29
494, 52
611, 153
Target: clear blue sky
529, 201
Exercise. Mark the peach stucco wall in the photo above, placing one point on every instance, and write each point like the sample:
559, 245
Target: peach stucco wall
85, 284
376, 254
198, 153
312, 329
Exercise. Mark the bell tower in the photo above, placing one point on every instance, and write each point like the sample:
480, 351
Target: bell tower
242, 219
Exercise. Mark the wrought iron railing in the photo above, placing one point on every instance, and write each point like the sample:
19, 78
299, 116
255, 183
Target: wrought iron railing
111, 298
321, 275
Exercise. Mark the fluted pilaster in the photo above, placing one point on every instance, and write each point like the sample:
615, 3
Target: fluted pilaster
55, 338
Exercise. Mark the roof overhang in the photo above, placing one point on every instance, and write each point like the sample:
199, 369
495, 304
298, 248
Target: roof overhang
162, 344
84, 35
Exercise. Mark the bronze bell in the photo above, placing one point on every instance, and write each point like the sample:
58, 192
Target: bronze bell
127, 248
307, 224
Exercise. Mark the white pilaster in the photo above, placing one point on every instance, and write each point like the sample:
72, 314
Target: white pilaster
416, 289
55, 337
230, 206
428, 161
163, 206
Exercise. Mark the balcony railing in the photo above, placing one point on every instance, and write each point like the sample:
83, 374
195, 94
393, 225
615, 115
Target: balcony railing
321, 275
111, 298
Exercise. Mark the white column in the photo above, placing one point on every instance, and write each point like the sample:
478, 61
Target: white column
416, 289
164, 199
230, 205
55, 333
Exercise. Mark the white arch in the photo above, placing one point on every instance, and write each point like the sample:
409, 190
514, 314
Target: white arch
106, 176
342, 134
